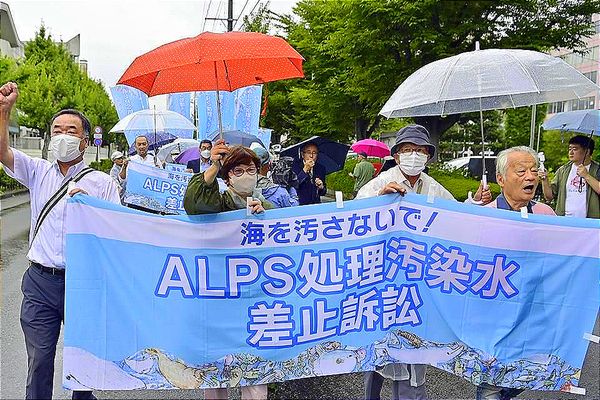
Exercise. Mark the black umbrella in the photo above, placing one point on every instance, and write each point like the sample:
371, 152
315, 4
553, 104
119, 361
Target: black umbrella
237, 137
332, 155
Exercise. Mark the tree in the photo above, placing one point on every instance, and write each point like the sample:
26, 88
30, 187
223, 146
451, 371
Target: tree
518, 125
358, 51
49, 80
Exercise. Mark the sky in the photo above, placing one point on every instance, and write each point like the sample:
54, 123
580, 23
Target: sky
113, 33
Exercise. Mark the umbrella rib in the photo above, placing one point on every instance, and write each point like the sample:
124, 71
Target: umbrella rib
227, 74
446, 79
537, 86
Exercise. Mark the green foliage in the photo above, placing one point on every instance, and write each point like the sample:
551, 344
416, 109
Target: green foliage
457, 184
49, 81
103, 165
358, 51
518, 125
7, 183
341, 181
467, 133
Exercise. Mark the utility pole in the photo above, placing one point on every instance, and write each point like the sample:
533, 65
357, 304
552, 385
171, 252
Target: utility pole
230, 15
230, 20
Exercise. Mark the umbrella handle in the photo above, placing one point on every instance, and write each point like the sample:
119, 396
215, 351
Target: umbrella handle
472, 200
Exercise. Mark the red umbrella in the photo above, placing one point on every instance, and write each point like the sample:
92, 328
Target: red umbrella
372, 147
214, 61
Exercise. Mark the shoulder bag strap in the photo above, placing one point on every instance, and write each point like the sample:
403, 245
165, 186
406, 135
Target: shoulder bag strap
55, 199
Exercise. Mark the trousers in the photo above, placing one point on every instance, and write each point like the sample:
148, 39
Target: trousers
255, 392
42, 314
401, 390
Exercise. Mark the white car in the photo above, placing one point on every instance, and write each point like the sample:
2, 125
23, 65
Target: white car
471, 166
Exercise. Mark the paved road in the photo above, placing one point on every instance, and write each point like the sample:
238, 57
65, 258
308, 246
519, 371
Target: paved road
15, 223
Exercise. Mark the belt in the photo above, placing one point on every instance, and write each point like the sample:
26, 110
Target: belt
48, 270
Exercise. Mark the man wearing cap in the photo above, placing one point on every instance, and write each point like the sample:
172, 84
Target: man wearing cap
413, 149
363, 172
276, 194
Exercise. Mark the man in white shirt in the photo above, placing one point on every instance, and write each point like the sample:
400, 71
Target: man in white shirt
575, 185
412, 151
142, 156
43, 286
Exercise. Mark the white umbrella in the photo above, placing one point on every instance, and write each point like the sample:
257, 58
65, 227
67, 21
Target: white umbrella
177, 146
483, 80
486, 80
152, 121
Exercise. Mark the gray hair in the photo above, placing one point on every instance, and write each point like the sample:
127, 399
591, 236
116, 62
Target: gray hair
502, 159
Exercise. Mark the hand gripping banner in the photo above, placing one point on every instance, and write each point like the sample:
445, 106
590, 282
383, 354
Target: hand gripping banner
165, 302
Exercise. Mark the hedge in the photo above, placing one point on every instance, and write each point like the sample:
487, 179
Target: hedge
7, 183
456, 184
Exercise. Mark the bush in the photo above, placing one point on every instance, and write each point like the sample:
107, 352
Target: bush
103, 165
457, 184
7, 183
454, 181
341, 181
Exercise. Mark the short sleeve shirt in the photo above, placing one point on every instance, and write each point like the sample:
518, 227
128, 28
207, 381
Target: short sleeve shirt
43, 179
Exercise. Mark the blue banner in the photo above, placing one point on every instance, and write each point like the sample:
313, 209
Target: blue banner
170, 167
128, 100
155, 188
229, 299
240, 110
180, 103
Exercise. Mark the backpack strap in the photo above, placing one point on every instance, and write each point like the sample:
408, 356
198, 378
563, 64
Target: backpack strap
52, 201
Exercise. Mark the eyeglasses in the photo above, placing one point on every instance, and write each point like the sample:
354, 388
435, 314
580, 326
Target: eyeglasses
311, 153
409, 150
239, 171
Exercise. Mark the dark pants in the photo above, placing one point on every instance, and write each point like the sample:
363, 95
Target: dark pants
42, 314
400, 389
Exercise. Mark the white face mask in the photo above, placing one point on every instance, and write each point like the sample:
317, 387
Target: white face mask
243, 185
412, 164
65, 148
205, 154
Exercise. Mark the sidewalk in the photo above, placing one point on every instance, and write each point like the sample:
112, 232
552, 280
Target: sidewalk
13, 199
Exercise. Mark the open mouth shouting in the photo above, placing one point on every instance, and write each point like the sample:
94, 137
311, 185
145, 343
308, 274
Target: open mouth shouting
529, 189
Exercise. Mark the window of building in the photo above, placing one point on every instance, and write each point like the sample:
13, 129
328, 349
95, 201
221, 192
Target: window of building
557, 107
597, 25
586, 103
592, 76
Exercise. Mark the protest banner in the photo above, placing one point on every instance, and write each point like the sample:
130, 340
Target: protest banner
155, 188
227, 299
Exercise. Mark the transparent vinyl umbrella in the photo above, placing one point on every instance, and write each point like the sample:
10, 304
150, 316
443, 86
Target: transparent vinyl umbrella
483, 80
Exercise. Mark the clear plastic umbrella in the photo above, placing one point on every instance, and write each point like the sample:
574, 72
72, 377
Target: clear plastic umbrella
150, 121
483, 80
178, 146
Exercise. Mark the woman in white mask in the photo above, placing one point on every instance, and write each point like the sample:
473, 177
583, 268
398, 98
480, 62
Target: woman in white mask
238, 167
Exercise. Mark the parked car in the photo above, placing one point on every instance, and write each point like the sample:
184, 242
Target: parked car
471, 166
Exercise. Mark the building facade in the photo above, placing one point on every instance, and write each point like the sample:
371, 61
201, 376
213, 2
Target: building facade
10, 44
588, 63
